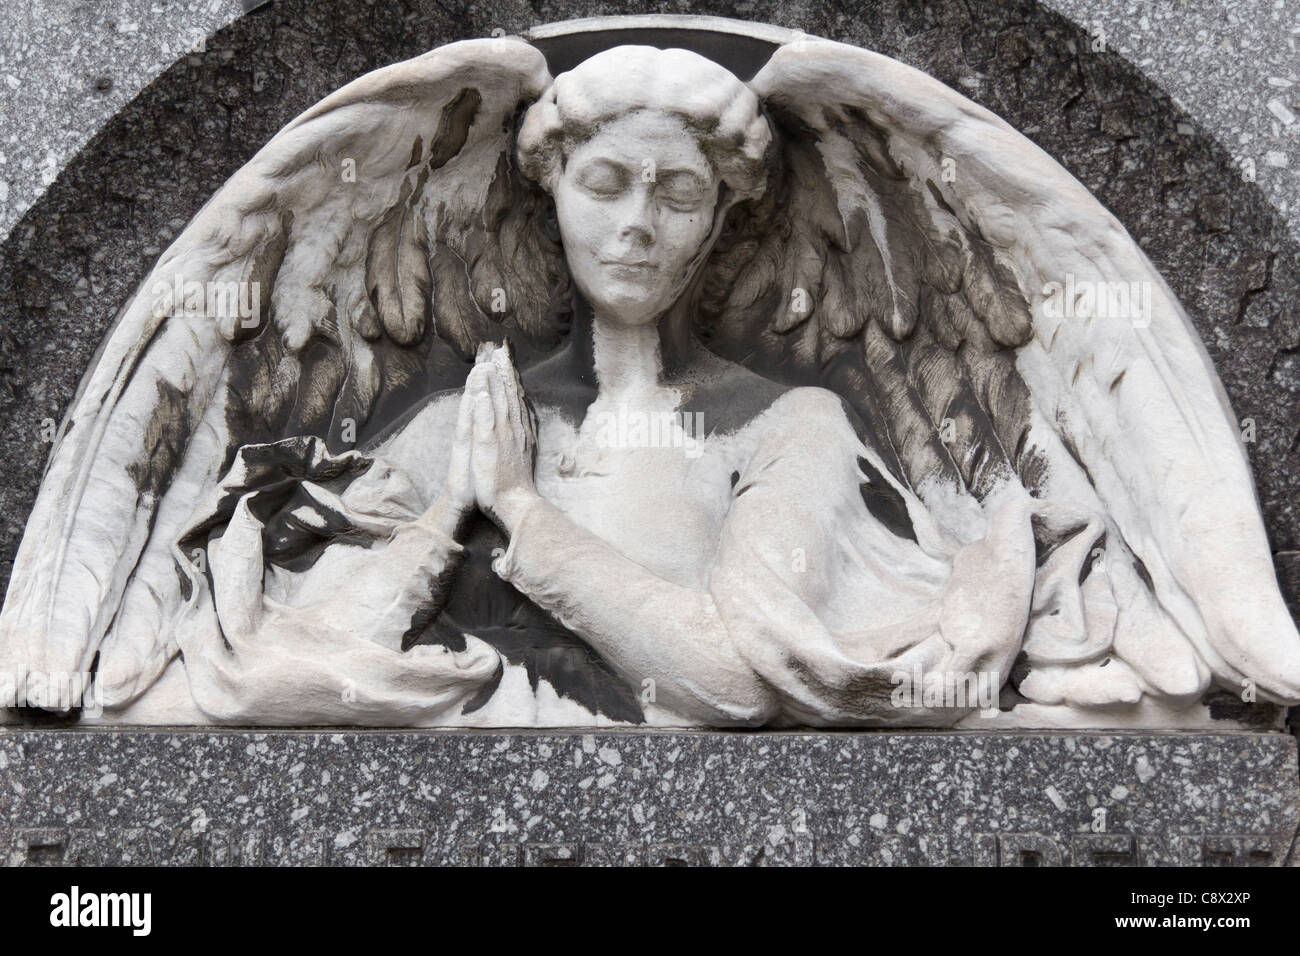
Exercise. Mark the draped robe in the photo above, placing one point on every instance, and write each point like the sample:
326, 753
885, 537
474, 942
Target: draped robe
737, 579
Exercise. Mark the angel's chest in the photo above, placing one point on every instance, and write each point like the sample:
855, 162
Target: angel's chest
657, 490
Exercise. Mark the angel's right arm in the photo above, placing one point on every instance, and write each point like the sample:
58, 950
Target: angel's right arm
380, 591
324, 643
335, 658
375, 594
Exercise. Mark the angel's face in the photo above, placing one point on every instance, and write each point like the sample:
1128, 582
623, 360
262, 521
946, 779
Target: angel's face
636, 205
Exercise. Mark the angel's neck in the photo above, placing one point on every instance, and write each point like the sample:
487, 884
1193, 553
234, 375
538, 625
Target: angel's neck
627, 359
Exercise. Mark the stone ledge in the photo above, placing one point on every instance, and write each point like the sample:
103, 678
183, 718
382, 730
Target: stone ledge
620, 797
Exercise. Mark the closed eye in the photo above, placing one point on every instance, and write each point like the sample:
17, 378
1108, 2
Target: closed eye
682, 190
603, 180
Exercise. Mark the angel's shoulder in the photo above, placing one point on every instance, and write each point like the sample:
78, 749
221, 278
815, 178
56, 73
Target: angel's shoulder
810, 404
811, 417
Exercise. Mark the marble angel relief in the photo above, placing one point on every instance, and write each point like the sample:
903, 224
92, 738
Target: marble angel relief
792, 418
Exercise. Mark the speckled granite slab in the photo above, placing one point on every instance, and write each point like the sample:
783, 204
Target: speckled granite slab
219, 798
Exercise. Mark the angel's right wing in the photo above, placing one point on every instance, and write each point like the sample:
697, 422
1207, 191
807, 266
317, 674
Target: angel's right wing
351, 267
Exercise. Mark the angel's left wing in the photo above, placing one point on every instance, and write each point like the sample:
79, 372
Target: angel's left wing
352, 267
991, 322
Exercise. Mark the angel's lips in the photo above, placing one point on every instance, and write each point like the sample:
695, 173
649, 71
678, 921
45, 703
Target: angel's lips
630, 269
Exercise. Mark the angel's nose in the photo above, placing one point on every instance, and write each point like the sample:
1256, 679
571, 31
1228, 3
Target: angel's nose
637, 222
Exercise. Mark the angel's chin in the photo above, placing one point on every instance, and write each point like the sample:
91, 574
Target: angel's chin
627, 304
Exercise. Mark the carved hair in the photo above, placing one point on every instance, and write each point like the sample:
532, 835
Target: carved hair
713, 103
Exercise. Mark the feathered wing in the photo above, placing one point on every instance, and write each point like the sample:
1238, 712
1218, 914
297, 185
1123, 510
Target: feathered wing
910, 268
375, 242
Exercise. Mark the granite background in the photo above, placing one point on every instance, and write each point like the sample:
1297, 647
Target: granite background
630, 798
1170, 169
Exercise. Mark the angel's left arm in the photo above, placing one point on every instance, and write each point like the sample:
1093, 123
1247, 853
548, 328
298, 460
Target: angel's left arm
754, 645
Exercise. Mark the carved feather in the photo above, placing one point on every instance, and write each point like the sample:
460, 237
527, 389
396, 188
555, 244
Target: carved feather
994, 294
397, 271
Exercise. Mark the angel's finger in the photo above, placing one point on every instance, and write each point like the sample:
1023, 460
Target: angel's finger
484, 416
517, 407
513, 365
512, 386
527, 421
532, 418
465, 414
527, 417
500, 396
477, 378
477, 382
